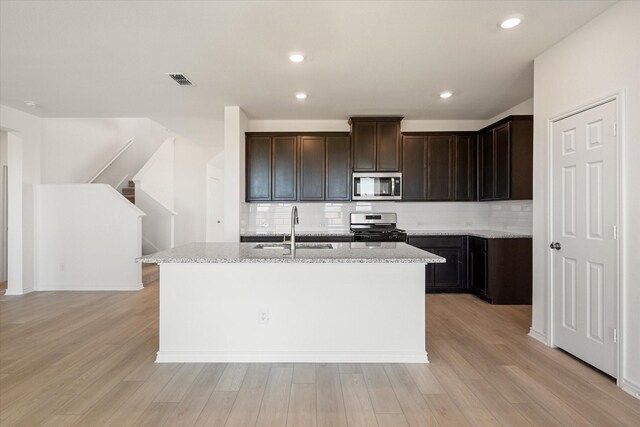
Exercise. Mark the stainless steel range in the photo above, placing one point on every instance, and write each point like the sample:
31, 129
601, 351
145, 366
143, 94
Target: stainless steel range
376, 227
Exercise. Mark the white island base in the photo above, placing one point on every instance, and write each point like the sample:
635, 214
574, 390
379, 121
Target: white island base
292, 312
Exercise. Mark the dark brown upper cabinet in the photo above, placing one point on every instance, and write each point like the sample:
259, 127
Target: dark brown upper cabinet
312, 167
271, 168
414, 165
284, 168
438, 166
465, 153
376, 144
325, 168
338, 175
506, 160
291, 167
258, 168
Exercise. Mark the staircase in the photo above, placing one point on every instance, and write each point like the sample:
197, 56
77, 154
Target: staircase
129, 192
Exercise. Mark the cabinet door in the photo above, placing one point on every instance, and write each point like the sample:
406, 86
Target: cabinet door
312, 167
502, 162
364, 146
258, 173
413, 168
440, 175
486, 166
465, 167
478, 271
284, 168
338, 168
388, 146
449, 275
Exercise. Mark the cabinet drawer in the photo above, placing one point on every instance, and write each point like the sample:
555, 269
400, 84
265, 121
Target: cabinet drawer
436, 241
478, 244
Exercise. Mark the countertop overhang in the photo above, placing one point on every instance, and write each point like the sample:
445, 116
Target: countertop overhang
350, 252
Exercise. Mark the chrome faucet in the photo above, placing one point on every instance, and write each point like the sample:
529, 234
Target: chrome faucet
294, 221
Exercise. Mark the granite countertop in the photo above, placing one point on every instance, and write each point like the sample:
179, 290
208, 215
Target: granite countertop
352, 252
487, 234
298, 233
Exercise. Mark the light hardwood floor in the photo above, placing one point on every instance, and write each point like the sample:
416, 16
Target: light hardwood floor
86, 358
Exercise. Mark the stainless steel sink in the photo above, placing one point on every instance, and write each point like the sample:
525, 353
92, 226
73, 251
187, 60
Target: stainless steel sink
298, 246
314, 246
272, 246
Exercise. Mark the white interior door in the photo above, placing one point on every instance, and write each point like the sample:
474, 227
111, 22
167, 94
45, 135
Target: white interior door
584, 233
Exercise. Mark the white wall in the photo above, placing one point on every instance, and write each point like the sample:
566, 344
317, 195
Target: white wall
599, 59
298, 126
24, 160
156, 177
190, 191
524, 108
343, 125
75, 149
154, 195
88, 238
3, 235
215, 198
235, 125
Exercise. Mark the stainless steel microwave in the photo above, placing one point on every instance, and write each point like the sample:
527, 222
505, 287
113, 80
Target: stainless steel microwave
377, 186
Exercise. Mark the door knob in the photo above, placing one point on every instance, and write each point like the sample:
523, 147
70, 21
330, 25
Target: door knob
555, 245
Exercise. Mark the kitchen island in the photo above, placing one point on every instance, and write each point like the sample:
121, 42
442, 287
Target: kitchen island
327, 302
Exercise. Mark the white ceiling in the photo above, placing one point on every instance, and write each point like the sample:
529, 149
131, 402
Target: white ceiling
108, 59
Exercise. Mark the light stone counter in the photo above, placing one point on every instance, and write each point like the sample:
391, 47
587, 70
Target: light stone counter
486, 234
298, 233
349, 252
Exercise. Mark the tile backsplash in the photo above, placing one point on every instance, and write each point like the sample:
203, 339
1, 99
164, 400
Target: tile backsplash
334, 217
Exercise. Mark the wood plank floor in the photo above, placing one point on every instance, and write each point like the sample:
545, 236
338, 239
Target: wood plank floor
86, 359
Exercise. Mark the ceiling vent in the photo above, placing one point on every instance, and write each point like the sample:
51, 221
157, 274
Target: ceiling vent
180, 78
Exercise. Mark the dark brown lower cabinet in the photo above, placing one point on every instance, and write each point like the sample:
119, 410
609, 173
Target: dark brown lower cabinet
450, 277
500, 269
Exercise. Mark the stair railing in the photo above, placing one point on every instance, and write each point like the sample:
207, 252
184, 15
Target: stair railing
110, 162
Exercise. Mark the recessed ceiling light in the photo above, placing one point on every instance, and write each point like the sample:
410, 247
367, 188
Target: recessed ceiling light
32, 104
296, 57
301, 95
510, 22
446, 94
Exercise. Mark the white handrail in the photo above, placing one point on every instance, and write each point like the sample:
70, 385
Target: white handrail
118, 154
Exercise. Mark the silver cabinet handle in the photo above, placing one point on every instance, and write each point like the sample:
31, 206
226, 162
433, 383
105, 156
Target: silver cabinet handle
555, 245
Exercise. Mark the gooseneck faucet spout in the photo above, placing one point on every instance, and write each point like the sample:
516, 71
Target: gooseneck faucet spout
294, 221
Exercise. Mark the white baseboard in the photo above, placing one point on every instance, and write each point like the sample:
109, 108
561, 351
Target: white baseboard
50, 288
539, 336
289, 357
13, 292
631, 388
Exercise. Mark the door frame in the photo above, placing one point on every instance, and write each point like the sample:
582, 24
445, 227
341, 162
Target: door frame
618, 98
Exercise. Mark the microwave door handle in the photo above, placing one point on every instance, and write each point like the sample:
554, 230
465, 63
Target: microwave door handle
393, 186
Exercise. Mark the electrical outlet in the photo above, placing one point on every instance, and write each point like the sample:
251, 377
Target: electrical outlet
264, 316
